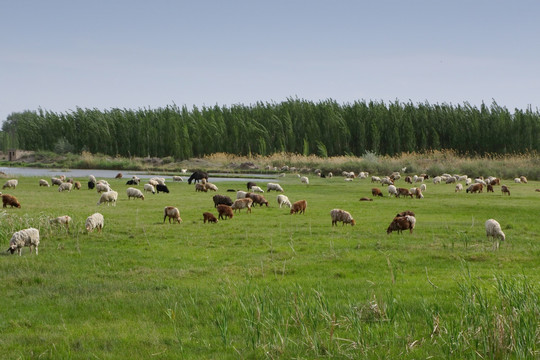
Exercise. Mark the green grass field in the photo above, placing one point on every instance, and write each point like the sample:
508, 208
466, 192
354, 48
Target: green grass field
270, 284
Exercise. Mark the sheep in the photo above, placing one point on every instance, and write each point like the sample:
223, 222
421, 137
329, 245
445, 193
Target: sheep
26, 237
304, 180
459, 187
152, 182
209, 217
451, 180
417, 193
172, 213
437, 180
133, 182
119, 176
149, 188
408, 179
43, 182
480, 181
134, 193
376, 192
91, 185
77, 185
240, 204
177, 178
92, 178
523, 179
100, 187
405, 213
404, 192
61, 220
330, 175
210, 186
400, 223
273, 186
108, 197
495, 181
183, 171
517, 180
162, 188
363, 174
415, 177
392, 190
418, 179
225, 211
65, 187
505, 190
200, 187
489, 188
462, 178
105, 182
423, 187
10, 200
94, 221
468, 181
257, 189
250, 184
56, 181
160, 181
241, 194
257, 199
387, 181
299, 207
341, 215
473, 188
366, 199
493, 229
222, 199
283, 200
11, 184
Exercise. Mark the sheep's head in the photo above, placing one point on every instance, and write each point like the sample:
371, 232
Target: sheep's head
12, 248
353, 222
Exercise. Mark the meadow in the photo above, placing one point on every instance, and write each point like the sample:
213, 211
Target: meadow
270, 284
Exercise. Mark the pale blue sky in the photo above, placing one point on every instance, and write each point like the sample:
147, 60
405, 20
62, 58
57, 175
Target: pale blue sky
59, 55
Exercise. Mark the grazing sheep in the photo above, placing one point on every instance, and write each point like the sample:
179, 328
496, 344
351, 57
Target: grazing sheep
505, 190
408, 179
91, 185
94, 221
495, 181
376, 192
162, 188
177, 178
257, 199
405, 213
77, 185
304, 180
257, 189
299, 207
132, 182
400, 223
200, 187
240, 204
197, 176
108, 197
283, 200
437, 180
92, 178
459, 187
366, 199
375, 179
341, 215
56, 181
404, 192
61, 220
273, 186
468, 181
118, 176
417, 192
451, 180
11, 184
210, 186
222, 199
65, 187
172, 213
241, 194
43, 182
423, 187
209, 217
10, 200
523, 179
330, 175
250, 184
489, 188
134, 193
387, 181
517, 180
473, 188
392, 190
159, 180
480, 181
537, 190
225, 211
105, 182
150, 181
493, 229
100, 187
26, 237
149, 188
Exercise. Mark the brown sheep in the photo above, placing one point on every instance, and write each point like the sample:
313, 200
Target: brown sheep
404, 192
225, 210
299, 207
495, 181
366, 199
523, 179
77, 185
172, 213
475, 188
400, 223
10, 200
537, 190
257, 199
505, 189
376, 192
209, 217
490, 188
408, 179
118, 176
240, 204
200, 187
405, 213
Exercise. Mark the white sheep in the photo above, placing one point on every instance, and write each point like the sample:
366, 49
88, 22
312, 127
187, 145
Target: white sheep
304, 180
26, 237
61, 220
468, 181
480, 181
108, 197
375, 179
493, 229
177, 178
56, 181
386, 181
523, 179
343, 216
65, 187
241, 194
92, 178
100, 187
160, 181
273, 186
153, 182
210, 186
517, 180
363, 174
134, 193
105, 182
330, 175
43, 182
459, 187
11, 184
462, 178
423, 187
392, 190
95, 221
283, 200
257, 189
437, 180
149, 188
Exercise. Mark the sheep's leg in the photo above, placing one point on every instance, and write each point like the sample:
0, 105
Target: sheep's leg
36, 249
165, 217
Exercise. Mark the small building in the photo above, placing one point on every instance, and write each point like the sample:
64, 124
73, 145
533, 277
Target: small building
12, 154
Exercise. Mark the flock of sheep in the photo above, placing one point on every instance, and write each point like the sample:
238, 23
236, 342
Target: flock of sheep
226, 207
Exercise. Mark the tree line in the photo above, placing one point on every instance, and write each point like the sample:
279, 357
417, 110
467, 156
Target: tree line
325, 128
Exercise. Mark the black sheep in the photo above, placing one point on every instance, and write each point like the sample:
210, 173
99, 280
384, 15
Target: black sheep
162, 188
